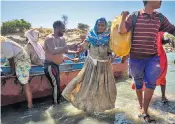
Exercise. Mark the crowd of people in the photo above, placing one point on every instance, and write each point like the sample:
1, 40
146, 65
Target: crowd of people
93, 89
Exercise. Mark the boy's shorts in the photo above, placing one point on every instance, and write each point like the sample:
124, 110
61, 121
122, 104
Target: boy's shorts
145, 70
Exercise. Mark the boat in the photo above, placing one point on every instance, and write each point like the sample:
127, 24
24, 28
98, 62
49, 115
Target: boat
12, 91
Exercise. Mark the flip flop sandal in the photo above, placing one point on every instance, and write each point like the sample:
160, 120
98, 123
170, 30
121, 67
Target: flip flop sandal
164, 101
147, 118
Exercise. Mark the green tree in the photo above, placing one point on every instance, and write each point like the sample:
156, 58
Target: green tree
65, 19
14, 26
82, 26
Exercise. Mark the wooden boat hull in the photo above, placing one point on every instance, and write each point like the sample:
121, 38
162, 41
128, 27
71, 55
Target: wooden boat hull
12, 91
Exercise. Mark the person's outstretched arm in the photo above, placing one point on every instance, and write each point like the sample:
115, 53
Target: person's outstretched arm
166, 26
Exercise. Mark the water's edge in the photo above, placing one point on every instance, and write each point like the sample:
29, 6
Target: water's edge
126, 110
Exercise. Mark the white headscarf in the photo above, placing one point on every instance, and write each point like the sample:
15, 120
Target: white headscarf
33, 37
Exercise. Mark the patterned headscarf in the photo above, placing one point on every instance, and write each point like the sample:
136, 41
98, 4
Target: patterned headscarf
33, 37
99, 39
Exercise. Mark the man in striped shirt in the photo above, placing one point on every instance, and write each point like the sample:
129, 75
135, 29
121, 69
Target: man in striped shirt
144, 59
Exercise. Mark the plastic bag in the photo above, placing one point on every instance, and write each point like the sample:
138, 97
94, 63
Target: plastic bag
120, 44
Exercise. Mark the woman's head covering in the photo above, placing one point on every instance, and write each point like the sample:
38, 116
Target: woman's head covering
99, 39
98, 21
33, 37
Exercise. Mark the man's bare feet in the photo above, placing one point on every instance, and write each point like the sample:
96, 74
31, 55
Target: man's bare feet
30, 105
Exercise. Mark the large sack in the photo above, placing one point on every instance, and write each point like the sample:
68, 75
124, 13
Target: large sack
120, 44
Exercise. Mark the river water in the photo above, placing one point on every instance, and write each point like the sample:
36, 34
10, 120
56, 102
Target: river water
126, 111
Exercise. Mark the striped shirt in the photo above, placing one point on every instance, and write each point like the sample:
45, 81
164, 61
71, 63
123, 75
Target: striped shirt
145, 33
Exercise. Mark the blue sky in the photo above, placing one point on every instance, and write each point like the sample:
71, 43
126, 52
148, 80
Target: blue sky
44, 13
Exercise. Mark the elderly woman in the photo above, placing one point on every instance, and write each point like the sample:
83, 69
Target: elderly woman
94, 90
20, 64
34, 48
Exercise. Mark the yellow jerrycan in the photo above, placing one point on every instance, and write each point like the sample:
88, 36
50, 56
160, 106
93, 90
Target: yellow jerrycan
120, 44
